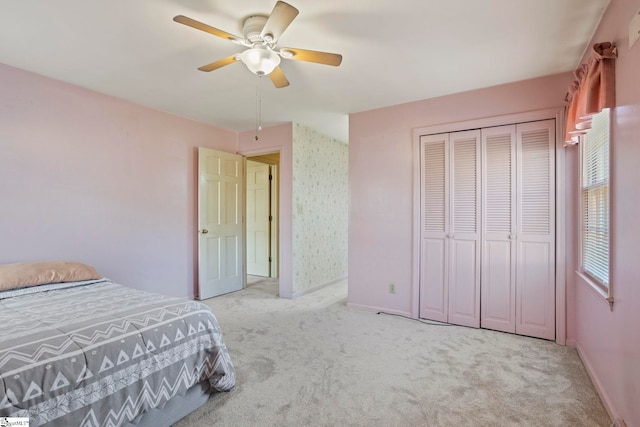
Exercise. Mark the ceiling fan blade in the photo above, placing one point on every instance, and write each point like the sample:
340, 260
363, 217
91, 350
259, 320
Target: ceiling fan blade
278, 78
312, 56
207, 29
280, 18
218, 64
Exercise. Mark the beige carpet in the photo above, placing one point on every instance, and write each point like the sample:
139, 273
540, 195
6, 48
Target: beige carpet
315, 362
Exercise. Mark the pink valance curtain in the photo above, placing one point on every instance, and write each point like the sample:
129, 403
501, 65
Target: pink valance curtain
592, 90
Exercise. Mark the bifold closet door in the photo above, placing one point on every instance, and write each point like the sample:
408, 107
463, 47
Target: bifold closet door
498, 294
434, 266
518, 229
535, 231
464, 229
450, 241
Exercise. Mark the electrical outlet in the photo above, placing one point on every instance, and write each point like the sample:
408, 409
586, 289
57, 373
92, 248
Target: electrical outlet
392, 288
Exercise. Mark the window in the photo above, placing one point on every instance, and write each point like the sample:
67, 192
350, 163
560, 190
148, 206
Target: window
595, 201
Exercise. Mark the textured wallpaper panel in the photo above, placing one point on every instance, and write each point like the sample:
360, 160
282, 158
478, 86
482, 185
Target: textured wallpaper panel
320, 208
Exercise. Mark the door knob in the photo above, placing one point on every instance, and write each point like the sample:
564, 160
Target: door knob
204, 231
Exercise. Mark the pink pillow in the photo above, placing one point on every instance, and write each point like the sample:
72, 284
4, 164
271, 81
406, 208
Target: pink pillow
25, 274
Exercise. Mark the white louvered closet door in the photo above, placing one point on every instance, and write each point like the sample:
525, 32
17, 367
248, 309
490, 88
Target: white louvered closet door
463, 233
434, 174
535, 289
450, 241
518, 229
498, 293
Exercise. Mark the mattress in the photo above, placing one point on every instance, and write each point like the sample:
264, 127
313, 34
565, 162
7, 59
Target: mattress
97, 353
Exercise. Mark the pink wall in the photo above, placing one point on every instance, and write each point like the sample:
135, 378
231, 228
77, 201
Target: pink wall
381, 181
271, 140
609, 341
91, 178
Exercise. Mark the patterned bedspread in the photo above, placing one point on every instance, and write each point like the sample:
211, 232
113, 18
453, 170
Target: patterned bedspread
99, 354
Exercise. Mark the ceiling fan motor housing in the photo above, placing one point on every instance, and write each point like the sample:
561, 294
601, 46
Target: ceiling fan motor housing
252, 28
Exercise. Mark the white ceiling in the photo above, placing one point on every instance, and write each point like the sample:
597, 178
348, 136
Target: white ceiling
394, 51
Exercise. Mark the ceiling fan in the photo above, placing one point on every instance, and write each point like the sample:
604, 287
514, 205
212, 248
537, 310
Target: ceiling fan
261, 34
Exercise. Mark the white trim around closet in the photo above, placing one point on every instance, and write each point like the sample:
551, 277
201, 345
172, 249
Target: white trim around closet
560, 279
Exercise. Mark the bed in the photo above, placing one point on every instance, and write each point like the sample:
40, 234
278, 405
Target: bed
92, 352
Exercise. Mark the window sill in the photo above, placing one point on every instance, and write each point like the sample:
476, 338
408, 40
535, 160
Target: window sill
601, 294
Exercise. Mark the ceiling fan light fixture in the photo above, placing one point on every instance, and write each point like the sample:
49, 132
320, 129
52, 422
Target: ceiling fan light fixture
260, 60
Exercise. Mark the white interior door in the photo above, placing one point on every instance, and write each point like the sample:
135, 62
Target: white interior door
535, 281
220, 227
258, 215
434, 269
464, 224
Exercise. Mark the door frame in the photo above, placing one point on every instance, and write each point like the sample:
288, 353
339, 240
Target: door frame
274, 170
560, 275
277, 265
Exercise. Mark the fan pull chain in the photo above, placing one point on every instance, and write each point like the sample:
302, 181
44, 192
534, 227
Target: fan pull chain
259, 107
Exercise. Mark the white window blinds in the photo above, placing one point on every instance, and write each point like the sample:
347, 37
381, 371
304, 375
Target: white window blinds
595, 200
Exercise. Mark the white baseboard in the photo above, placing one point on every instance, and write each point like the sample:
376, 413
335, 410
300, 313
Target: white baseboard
606, 401
308, 291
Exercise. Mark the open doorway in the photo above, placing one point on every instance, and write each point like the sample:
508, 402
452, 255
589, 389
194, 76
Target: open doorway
262, 245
